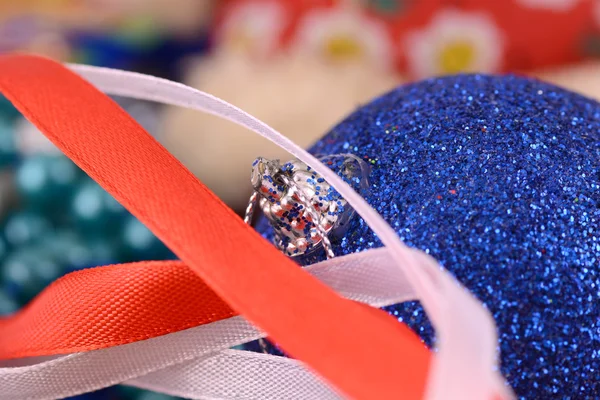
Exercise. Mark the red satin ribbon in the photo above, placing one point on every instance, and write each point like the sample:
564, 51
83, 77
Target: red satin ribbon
361, 350
108, 306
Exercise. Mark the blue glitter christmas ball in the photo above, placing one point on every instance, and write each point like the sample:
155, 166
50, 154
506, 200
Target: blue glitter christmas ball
498, 178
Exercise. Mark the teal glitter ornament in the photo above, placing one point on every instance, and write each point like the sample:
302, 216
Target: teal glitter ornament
139, 243
8, 147
95, 211
28, 270
498, 178
74, 252
26, 227
45, 181
8, 305
8, 112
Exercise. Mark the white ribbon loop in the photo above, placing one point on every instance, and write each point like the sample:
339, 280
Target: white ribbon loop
355, 276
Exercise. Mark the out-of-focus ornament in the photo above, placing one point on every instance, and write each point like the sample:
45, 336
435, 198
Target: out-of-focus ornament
25, 228
95, 211
8, 148
44, 181
138, 242
498, 178
27, 271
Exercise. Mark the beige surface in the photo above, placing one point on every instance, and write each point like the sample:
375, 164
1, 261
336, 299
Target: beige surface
299, 97
583, 78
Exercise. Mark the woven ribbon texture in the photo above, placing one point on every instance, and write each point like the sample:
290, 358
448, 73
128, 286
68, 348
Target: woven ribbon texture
303, 315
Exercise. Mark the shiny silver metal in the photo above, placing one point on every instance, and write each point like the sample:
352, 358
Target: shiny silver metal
250, 208
321, 232
301, 206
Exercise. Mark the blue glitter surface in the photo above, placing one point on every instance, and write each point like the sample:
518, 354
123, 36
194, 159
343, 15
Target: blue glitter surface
498, 178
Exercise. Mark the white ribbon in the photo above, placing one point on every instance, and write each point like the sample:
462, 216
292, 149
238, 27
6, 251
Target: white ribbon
363, 277
234, 374
465, 366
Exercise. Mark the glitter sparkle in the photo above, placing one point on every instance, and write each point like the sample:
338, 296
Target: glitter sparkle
498, 178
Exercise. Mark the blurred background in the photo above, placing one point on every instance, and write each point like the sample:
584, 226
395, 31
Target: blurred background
299, 65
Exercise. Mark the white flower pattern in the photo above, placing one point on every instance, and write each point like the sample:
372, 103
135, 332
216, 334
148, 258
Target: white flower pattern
253, 27
344, 35
454, 42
